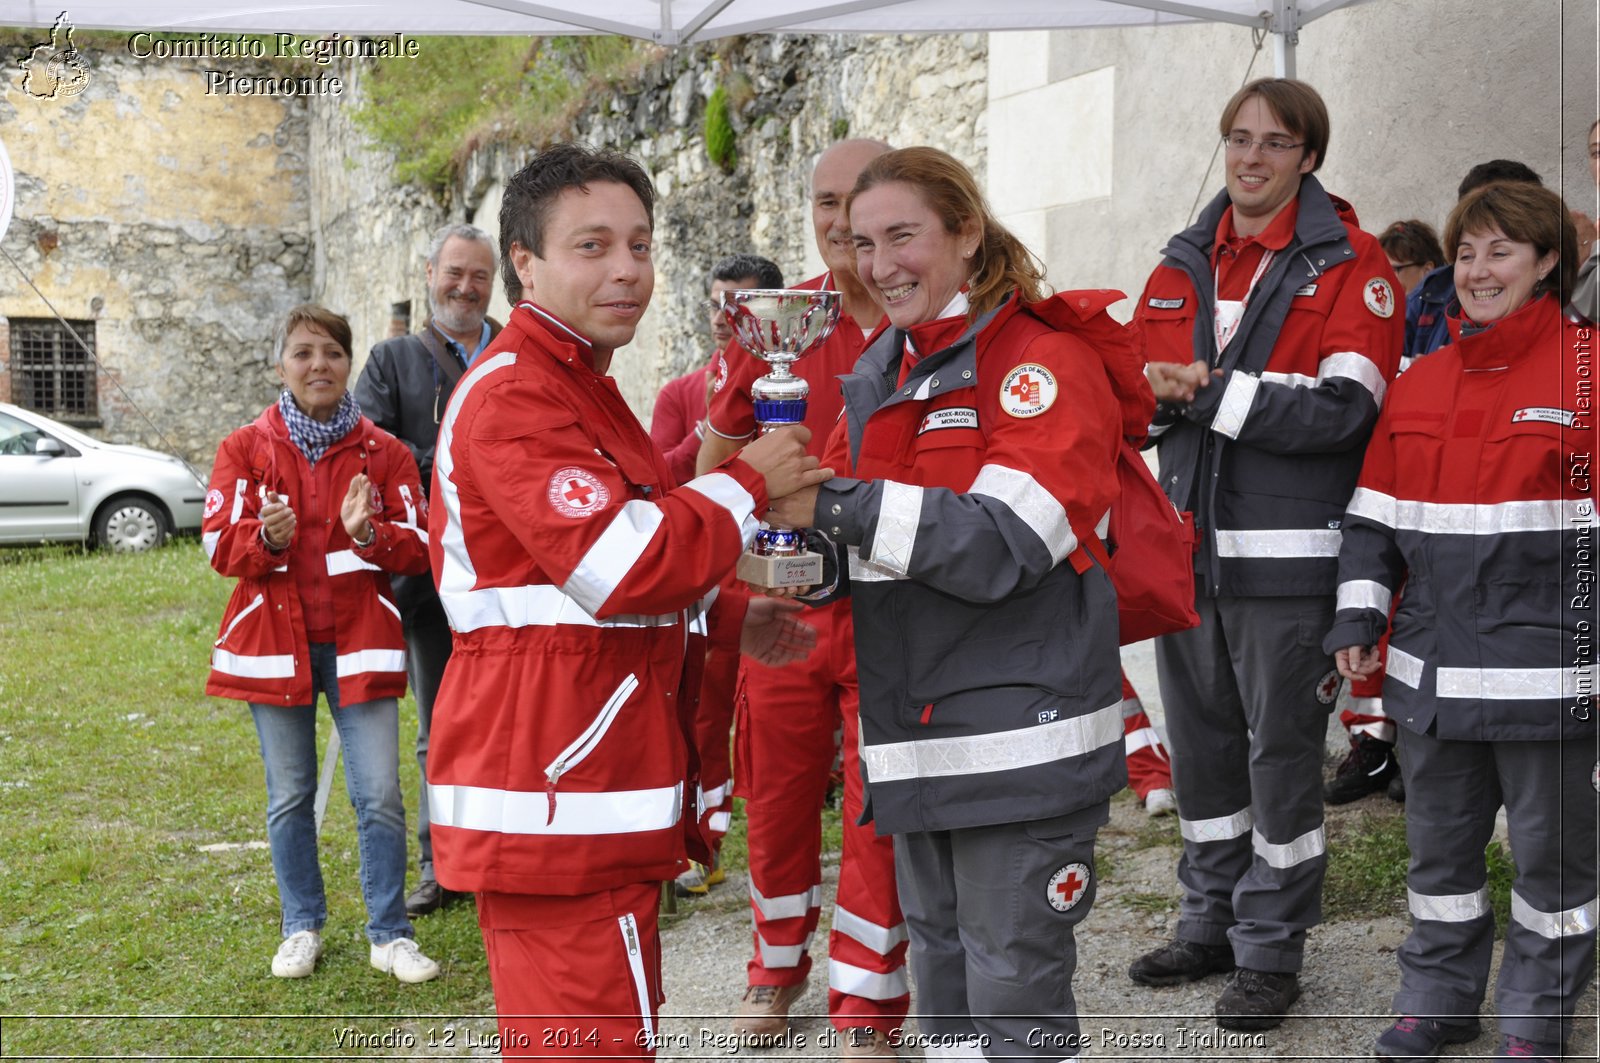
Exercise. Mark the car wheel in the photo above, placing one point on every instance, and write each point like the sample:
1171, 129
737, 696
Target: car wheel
130, 523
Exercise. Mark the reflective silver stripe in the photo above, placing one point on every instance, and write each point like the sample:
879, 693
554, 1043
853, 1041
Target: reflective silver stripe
788, 906
1143, 738
720, 821
1367, 707
1278, 542
1449, 908
1235, 405
456, 571
1573, 922
1311, 844
534, 606
1154, 431
880, 939
629, 928
1405, 361
1353, 366
863, 571
1364, 594
1404, 667
238, 501
1032, 504
343, 562
387, 604
932, 758
1508, 684
781, 955
420, 533
1498, 518
899, 511
612, 556
1372, 505
715, 795
209, 541
860, 982
1219, 829
577, 813
271, 666
1131, 707
730, 494
360, 661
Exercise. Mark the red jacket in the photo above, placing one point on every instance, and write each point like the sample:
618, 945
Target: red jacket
675, 421
575, 578
260, 653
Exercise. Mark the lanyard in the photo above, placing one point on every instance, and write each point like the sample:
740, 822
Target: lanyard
1227, 313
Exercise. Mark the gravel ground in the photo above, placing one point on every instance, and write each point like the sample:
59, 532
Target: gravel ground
1347, 983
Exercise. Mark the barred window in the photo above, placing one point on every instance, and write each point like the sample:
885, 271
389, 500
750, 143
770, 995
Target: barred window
50, 373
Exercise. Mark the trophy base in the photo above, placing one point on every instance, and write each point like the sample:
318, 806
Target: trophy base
791, 570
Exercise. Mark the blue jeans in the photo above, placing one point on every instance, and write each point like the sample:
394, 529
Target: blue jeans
370, 734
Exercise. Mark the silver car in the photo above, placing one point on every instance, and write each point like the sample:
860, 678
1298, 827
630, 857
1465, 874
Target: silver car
60, 485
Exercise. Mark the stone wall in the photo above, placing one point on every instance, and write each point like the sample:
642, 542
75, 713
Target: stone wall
177, 222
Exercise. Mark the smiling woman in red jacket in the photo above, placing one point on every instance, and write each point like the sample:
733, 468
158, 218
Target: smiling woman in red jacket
1476, 512
311, 506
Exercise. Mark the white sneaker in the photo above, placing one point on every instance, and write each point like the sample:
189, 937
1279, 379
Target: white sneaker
1162, 802
404, 960
297, 954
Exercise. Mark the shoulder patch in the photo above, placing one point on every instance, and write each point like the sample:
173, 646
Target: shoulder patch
722, 373
1028, 390
1165, 304
577, 493
1379, 297
1548, 414
213, 503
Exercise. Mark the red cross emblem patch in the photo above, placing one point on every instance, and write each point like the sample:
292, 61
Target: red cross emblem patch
721, 374
213, 503
1067, 887
1379, 297
1328, 688
577, 493
1028, 390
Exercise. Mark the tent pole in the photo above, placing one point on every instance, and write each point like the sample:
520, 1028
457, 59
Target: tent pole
1285, 36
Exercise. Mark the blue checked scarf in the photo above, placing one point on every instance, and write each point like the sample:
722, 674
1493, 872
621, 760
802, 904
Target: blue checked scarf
314, 437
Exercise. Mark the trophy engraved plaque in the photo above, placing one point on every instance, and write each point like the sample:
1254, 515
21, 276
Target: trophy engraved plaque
779, 326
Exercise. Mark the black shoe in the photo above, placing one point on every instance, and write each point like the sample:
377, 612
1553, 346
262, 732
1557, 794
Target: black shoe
1181, 961
1367, 769
1256, 1000
1397, 788
428, 897
1418, 1040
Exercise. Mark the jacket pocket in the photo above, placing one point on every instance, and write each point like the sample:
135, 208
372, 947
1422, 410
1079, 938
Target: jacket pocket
255, 604
586, 743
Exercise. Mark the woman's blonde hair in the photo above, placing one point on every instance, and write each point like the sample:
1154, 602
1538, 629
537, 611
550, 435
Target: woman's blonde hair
1000, 264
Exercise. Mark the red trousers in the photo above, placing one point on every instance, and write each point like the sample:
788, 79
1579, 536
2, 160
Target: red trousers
713, 722
1148, 766
784, 745
575, 977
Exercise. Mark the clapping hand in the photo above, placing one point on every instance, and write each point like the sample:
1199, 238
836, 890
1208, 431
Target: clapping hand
357, 510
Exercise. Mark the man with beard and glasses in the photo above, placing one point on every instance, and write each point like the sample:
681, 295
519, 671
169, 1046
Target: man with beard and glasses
404, 388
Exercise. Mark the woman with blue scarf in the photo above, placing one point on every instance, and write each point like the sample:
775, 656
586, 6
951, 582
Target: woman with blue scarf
311, 506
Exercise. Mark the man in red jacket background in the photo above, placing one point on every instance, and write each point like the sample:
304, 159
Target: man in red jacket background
577, 578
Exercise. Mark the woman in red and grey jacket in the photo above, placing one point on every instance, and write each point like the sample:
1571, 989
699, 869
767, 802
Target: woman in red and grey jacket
1476, 512
311, 506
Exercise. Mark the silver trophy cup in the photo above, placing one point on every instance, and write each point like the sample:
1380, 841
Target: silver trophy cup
779, 326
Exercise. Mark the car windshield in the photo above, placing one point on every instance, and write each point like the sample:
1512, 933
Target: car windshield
71, 435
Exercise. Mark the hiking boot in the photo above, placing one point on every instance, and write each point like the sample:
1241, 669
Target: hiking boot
1256, 1000
297, 954
1160, 802
1180, 961
1512, 1047
1418, 1040
764, 1010
404, 960
1367, 769
428, 897
867, 1042
698, 880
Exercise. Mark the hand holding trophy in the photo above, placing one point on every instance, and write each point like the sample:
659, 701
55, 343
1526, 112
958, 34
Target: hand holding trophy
779, 326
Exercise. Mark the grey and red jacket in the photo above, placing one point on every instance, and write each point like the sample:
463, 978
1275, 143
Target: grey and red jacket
1477, 496
986, 638
1267, 455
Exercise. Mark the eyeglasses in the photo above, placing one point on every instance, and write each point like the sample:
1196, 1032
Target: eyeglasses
712, 306
1238, 142
1398, 266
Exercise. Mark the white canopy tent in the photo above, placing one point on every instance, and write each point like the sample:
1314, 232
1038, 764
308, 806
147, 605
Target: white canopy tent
675, 22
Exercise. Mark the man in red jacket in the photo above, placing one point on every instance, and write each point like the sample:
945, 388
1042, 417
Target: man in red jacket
577, 578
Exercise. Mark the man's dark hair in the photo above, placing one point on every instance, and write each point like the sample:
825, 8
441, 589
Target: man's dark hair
532, 191
1496, 170
1298, 106
738, 267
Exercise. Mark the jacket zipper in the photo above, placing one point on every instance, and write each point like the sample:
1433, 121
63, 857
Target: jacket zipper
641, 985
586, 742
246, 611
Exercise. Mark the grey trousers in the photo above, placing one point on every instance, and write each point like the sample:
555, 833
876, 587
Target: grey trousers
428, 643
1247, 696
1453, 790
991, 913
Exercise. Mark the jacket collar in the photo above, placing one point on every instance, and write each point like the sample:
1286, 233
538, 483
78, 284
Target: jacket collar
1318, 221
555, 337
1509, 340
